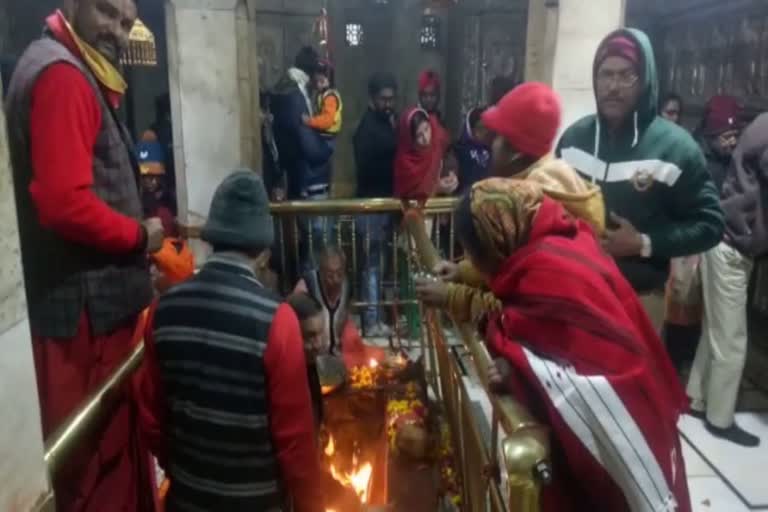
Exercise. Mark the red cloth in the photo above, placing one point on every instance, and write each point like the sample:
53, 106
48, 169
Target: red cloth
722, 113
354, 351
417, 169
528, 117
565, 300
108, 472
65, 119
290, 414
429, 79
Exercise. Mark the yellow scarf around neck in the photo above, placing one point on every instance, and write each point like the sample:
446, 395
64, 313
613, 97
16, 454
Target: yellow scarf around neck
105, 72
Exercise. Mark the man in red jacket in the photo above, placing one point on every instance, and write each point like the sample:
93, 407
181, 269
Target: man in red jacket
84, 246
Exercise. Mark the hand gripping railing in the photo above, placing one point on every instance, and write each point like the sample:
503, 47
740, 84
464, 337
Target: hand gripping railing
525, 447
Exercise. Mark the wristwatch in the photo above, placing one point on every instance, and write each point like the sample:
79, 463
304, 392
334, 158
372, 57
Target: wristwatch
647, 249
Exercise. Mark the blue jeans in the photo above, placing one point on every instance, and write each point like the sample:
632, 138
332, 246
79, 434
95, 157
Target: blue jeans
377, 228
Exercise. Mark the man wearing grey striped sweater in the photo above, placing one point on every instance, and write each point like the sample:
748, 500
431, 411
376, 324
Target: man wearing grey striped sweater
227, 402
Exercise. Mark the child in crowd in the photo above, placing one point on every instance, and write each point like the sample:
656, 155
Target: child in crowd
154, 197
327, 119
174, 261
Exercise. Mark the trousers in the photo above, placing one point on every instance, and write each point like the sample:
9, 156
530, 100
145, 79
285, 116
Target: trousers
719, 363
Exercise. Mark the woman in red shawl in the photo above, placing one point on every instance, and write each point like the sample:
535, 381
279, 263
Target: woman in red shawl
418, 157
578, 351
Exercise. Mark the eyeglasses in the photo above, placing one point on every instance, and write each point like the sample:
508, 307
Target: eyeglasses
622, 79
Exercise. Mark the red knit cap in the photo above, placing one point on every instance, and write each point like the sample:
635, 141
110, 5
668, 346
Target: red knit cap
722, 113
528, 117
429, 78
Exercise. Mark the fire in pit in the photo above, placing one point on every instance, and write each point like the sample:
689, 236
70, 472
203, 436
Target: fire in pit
358, 478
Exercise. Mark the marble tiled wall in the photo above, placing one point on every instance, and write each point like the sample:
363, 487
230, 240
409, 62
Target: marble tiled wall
23, 477
214, 99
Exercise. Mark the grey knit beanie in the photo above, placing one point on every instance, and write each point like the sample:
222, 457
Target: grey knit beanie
239, 217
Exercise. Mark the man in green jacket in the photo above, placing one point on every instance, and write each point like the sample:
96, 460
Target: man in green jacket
661, 200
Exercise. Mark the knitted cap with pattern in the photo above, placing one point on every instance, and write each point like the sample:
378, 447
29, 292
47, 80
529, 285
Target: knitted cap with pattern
239, 217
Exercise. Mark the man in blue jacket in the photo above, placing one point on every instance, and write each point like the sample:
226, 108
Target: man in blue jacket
304, 155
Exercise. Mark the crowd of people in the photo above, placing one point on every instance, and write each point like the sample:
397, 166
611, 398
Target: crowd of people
569, 248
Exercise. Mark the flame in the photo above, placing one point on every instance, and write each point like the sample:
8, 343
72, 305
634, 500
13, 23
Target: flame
373, 363
359, 479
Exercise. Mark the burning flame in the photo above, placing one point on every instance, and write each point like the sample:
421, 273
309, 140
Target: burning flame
373, 363
358, 479
330, 448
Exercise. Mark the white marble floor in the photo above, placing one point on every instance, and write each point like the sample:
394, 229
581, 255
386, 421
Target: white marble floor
723, 477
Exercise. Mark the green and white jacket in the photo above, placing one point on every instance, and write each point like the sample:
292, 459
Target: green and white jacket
653, 174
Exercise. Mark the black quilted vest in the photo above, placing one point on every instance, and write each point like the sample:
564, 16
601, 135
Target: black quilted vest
64, 278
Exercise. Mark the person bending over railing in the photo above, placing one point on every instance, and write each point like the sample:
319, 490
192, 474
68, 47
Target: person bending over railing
522, 155
575, 347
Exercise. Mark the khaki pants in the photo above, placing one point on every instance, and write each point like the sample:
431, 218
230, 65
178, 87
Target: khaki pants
653, 303
716, 374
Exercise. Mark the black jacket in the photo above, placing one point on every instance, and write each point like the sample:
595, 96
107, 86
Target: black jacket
304, 155
375, 143
716, 164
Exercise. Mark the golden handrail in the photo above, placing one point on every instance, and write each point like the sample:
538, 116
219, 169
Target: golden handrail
338, 207
357, 206
525, 446
67, 437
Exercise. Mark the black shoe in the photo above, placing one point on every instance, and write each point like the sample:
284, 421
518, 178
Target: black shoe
734, 434
702, 415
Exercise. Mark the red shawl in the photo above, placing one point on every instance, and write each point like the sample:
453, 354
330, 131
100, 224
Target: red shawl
581, 346
417, 170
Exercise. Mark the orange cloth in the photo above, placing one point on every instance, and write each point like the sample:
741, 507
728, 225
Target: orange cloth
175, 260
327, 116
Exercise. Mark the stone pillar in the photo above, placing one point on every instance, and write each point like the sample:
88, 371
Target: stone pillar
23, 472
563, 36
213, 80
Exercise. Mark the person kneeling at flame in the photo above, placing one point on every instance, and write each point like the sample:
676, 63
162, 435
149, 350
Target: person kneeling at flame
329, 286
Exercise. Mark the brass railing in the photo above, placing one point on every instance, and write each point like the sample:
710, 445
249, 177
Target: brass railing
499, 476
352, 226
80, 423
85, 420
